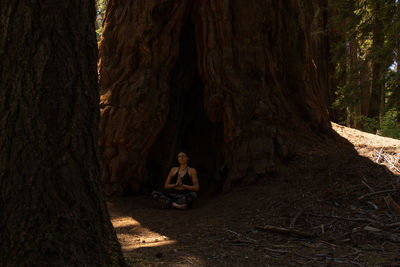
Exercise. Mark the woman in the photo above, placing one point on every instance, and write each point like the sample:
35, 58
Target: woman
181, 186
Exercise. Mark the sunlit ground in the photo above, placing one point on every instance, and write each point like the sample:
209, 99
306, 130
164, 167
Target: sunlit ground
133, 237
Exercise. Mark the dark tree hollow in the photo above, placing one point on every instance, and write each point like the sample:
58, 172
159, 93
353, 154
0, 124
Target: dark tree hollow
187, 125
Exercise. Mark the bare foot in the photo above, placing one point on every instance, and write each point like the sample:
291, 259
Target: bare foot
179, 206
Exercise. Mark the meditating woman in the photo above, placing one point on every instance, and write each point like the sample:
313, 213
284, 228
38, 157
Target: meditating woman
181, 186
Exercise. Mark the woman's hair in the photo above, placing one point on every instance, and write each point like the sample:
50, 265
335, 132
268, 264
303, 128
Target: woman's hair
184, 151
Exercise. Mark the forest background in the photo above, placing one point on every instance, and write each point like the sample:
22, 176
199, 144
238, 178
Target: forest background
364, 69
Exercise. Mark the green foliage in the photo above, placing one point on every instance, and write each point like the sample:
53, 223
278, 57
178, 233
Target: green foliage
390, 124
100, 9
369, 125
393, 89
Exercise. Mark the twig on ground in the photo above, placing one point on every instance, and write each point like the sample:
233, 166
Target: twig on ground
295, 218
379, 154
276, 250
369, 187
330, 244
240, 241
391, 164
389, 161
392, 204
377, 193
349, 219
246, 243
230, 231
356, 263
373, 205
240, 236
191, 262
281, 230
305, 257
382, 234
283, 246
392, 225
356, 252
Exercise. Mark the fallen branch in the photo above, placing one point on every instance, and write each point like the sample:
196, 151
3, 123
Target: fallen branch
378, 193
382, 234
247, 243
295, 218
390, 225
286, 231
379, 154
239, 241
386, 159
392, 204
369, 187
373, 205
391, 164
276, 250
306, 257
349, 219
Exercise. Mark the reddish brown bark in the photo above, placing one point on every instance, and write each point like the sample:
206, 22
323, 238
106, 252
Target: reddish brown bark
251, 74
52, 207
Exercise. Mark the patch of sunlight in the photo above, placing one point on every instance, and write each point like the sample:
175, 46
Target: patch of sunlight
132, 235
124, 222
136, 245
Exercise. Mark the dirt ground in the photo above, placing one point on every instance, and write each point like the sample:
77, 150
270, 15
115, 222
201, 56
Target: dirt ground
336, 206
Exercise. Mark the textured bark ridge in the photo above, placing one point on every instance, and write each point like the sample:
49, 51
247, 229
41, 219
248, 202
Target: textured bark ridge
231, 81
52, 208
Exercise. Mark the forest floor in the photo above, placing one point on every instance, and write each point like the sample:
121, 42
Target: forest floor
335, 207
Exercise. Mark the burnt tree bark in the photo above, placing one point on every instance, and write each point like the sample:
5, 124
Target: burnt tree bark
235, 82
52, 208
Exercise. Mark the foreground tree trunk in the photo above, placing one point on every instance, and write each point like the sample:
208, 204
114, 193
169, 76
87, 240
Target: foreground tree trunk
52, 209
234, 82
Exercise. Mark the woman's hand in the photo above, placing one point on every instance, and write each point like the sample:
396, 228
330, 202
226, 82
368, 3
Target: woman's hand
179, 182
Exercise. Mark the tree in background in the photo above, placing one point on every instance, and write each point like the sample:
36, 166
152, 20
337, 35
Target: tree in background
363, 55
52, 208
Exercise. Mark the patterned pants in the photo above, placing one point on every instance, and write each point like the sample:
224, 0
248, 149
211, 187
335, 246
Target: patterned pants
166, 199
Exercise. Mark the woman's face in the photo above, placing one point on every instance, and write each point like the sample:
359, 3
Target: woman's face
182, 158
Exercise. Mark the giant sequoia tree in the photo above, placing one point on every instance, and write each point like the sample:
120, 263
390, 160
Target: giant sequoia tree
52, 210
234, 82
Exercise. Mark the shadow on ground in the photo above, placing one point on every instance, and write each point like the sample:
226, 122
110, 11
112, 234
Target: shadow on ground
319, 193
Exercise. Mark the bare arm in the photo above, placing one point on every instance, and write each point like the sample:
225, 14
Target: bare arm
168, 184
195, 180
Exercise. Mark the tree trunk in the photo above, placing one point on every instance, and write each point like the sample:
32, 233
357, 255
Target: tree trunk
377, 106
52, 207
235, 82
365, 80
354, 83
